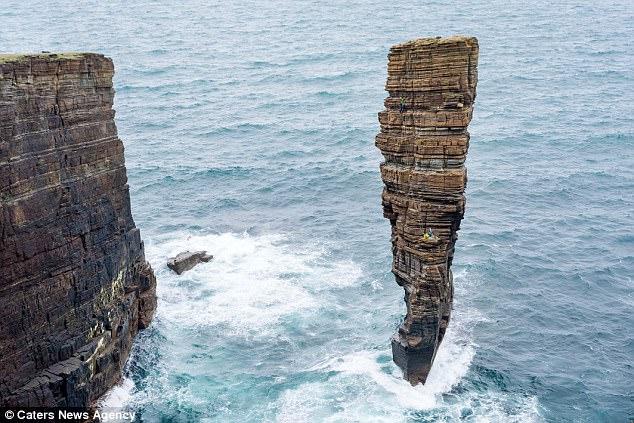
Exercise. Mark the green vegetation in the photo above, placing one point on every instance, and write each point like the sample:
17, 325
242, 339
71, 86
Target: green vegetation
7, 58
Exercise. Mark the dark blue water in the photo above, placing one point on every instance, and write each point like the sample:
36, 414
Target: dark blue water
249, 130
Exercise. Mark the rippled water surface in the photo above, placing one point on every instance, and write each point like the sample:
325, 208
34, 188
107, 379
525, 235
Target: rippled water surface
249, 131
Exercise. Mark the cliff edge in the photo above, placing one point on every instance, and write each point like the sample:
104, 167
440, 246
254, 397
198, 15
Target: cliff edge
424, 140
74, 284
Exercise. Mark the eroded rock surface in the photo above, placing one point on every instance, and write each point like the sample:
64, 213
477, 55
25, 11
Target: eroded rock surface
424, 139
187, 260
74, 284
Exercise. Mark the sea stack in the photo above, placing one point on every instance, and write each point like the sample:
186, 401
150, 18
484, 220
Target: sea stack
432, 86
75, 287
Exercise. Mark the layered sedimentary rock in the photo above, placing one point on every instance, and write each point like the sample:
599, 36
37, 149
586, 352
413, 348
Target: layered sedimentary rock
74, 284
424, 139
187, 260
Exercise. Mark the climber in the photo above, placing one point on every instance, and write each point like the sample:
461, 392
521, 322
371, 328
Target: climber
402, 105
425, 234
430, 233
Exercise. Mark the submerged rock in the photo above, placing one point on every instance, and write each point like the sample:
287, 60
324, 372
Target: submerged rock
187, 260
424, 139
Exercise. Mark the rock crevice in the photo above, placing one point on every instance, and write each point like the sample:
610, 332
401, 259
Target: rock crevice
74, 285
432, 86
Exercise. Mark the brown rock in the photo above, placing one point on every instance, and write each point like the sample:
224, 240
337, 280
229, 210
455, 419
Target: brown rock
424, 139
187, 260
74, 284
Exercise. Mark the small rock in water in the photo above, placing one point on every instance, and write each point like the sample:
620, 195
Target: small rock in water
187, 260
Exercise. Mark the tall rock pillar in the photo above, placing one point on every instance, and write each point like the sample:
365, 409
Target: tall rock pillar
424, 139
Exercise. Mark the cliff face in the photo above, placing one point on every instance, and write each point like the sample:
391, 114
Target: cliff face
74, 284
424, 139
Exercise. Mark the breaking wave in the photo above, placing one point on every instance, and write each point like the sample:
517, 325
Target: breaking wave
367, 386
252, 282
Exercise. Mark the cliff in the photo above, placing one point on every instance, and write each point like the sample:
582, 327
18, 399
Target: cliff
74, 284
424, 139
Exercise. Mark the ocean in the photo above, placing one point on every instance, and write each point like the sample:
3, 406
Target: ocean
249, 132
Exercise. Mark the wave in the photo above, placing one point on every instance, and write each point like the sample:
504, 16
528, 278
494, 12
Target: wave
118, 396
250, 290
248, 285
367, 386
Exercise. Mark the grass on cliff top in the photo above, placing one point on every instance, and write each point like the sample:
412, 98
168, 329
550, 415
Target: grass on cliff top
19, 57
438, 40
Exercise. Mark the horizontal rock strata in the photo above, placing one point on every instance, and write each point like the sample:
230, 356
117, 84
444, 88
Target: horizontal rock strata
187, 260
424, 140
74, 284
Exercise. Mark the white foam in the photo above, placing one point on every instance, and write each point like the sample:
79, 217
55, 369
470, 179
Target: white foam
451, 364
366, 390
252, 282
255, 281
367, 386
118, 396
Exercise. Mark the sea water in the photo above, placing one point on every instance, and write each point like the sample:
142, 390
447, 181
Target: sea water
249, 132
